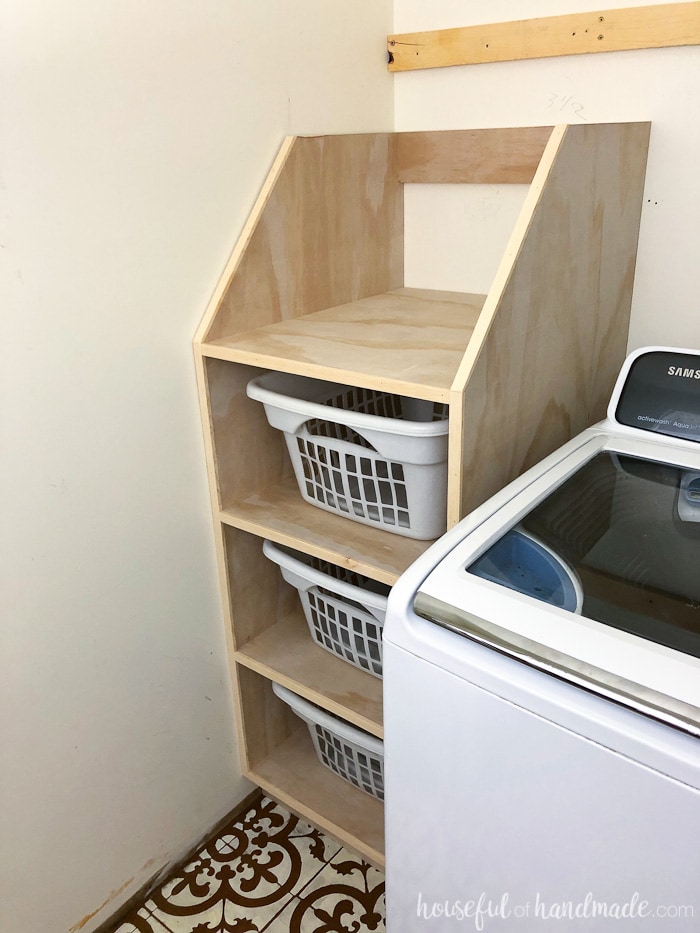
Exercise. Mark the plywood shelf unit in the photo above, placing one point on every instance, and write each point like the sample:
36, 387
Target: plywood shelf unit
315, 286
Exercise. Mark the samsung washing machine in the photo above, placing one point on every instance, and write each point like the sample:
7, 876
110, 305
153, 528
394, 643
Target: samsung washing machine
542, 687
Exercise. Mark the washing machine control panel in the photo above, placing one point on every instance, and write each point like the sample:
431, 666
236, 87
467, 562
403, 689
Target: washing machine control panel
661, 393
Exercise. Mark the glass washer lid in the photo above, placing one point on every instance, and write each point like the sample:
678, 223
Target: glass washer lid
627, 530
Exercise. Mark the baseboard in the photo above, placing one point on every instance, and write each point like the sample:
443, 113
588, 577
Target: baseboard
156, 880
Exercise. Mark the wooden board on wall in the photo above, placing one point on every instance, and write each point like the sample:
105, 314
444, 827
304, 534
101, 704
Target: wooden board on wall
645, 27
553, 332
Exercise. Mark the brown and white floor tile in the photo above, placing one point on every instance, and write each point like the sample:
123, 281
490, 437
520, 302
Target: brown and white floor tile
142, 920
347, 896
264, 871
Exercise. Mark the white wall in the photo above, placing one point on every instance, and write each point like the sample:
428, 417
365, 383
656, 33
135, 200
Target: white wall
135, 138
661, 85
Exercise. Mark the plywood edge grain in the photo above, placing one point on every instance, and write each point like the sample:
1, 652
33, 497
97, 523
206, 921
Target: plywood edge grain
510, 255
658, 26
286, 654
406, 341
280, 514
215, 502
456, 475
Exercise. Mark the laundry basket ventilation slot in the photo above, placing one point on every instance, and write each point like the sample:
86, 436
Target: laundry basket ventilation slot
349, 752
376, 457
367, 487
344, 610
352, 635
350, 762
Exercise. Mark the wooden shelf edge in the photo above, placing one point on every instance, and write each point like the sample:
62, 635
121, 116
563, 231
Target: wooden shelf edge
282, 516
225, 351
409, 341
286, 654
294, 776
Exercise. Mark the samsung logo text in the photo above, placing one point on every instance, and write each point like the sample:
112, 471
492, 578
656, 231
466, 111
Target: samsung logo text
684, 372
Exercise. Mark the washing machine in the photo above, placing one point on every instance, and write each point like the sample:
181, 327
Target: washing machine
542, 687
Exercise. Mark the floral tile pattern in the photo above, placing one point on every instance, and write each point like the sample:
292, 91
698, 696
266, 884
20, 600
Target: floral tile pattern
346, 895
266, 871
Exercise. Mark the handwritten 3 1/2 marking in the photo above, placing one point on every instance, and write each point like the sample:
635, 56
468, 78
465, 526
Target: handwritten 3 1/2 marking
563, 102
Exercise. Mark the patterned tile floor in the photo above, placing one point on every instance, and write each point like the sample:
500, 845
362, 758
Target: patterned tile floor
266, 870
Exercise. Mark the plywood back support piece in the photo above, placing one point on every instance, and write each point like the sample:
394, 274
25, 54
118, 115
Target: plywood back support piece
553, 331
487, 157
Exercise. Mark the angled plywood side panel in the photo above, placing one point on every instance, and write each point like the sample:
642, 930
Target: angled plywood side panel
329, 230
553, 332
244, 239
482, 156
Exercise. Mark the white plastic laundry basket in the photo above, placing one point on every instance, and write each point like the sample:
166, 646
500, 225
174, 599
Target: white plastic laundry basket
344, 610
371, 456
349, 752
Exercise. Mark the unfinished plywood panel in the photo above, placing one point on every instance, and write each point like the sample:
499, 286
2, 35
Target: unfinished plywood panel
247, 455
249, 239
327, 229
553, 332
265, 722
258, 593
404, 341
643, 27
491, 156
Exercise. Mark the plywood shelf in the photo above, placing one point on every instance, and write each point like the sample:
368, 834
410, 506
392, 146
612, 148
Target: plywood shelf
408, 341
280, 514
293, 775
287, 654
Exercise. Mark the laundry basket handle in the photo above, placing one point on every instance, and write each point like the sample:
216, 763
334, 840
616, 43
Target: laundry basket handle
303, 577
314, 714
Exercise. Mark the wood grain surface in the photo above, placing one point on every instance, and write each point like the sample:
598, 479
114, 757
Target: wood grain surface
643, 27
